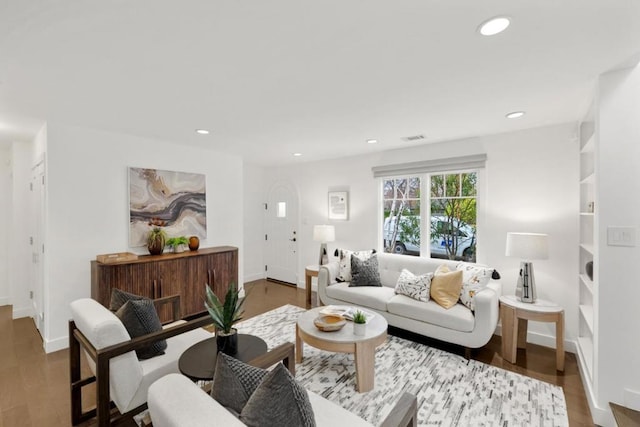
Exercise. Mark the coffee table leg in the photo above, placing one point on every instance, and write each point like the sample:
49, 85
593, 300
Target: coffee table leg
299, 345
365, 366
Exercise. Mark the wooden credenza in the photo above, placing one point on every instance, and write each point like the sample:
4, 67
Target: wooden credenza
156, 276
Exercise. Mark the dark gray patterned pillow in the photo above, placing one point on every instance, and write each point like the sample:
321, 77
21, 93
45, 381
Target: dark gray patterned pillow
140, 318
365, 273
279, 401
120, 297
234, 382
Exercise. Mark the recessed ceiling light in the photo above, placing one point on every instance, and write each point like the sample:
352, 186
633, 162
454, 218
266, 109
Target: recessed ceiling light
202, 131
494, 26
297, 154
515, 115
372, 141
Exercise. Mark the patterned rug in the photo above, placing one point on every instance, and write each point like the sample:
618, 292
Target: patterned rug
451, 390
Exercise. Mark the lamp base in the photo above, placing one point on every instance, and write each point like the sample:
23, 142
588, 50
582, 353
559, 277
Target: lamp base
526, 286
323, 258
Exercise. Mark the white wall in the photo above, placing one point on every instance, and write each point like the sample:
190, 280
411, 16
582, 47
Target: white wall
618, 180
5, 221
254, 199
531, 185
20, 254
88, 208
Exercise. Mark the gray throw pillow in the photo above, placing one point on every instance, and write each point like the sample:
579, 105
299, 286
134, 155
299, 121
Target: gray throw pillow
365, 273
234, 382
279, 401
120, 297
140, 318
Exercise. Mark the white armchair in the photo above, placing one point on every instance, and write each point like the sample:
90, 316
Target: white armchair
119, 375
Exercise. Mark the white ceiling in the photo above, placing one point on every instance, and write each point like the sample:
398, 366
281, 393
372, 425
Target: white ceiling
270, 78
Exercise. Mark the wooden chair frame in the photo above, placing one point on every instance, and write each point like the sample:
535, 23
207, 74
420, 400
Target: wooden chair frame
103, 408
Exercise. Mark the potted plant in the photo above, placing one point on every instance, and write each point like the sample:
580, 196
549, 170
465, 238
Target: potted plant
359, 323
156, 241
224, 315
178, 244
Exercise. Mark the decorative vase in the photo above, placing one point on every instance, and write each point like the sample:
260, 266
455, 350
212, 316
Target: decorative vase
227, 343
359, 328
194, 243
588, 268
155, 243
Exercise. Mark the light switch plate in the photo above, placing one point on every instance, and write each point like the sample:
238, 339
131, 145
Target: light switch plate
621, 236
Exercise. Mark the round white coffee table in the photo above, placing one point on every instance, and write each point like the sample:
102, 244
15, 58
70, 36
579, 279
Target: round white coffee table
344, 341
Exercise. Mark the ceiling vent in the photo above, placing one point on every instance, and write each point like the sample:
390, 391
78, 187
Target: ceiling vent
414, 138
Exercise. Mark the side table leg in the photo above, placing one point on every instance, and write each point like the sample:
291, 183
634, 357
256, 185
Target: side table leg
509, 333
560, 342
365, 366
307, 285
523, 324
299, 346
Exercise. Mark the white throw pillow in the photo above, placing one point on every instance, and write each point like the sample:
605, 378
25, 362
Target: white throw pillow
416, 287
344, 274
474, 279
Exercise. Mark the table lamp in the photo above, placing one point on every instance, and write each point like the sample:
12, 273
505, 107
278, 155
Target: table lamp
324, 234
527, 247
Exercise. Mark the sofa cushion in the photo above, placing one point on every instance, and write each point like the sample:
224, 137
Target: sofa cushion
474, 279
365, 273
234, 382
446, 286
279, 401
344, 272
458, 317
140, 318
416, 287
375, 297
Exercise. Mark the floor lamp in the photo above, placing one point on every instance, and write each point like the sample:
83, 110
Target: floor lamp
324, 234
527, 247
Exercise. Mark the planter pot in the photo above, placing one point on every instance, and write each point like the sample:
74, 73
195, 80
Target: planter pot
227, 343
194, 243
359, 328
155, 244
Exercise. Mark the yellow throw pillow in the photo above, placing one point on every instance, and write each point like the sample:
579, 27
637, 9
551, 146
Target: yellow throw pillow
446, 286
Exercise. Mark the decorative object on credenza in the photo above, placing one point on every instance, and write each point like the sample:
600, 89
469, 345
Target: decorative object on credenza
177, 198
324, 234
588, 268
527, 247
338, 205
156, 239
116, 257
194, 243
224, 315
359, 323
178, 244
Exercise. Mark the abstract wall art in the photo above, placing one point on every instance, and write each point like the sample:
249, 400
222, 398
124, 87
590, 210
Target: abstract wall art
175, 200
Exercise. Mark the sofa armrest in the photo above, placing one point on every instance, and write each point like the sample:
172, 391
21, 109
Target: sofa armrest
486, 314
284, 353
404, 413
326, 277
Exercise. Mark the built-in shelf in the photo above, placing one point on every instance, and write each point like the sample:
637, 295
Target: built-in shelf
589, 179
586, 214
587, 247
588, 283
587, 314
589, 146
585, 349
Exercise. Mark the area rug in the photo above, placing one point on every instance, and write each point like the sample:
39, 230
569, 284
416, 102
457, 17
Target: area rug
451, 390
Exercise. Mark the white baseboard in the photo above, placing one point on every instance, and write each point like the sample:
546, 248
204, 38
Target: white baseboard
544, 340
4, 301
19, 313
600, 416
56, 344
252, 277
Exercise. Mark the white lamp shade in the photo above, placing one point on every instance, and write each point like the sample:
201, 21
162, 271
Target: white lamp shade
324, 233
527, 246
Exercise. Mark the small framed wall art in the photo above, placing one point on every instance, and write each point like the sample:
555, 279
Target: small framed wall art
338, 205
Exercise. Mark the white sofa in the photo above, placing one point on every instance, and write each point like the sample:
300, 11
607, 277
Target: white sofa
457, 325
175, 401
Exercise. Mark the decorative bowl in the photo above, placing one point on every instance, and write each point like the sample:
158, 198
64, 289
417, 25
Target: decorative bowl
329, 323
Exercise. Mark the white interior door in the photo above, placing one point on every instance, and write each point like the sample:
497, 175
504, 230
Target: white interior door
37, 244
281, 234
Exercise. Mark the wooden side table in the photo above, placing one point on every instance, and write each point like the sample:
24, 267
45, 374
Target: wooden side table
515, 316
309, 272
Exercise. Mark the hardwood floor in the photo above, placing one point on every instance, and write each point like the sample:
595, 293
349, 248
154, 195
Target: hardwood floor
34, 386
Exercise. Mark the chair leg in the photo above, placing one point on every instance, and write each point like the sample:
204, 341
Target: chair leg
103, 394
74, 376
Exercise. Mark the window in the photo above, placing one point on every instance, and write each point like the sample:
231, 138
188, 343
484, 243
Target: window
451, 215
